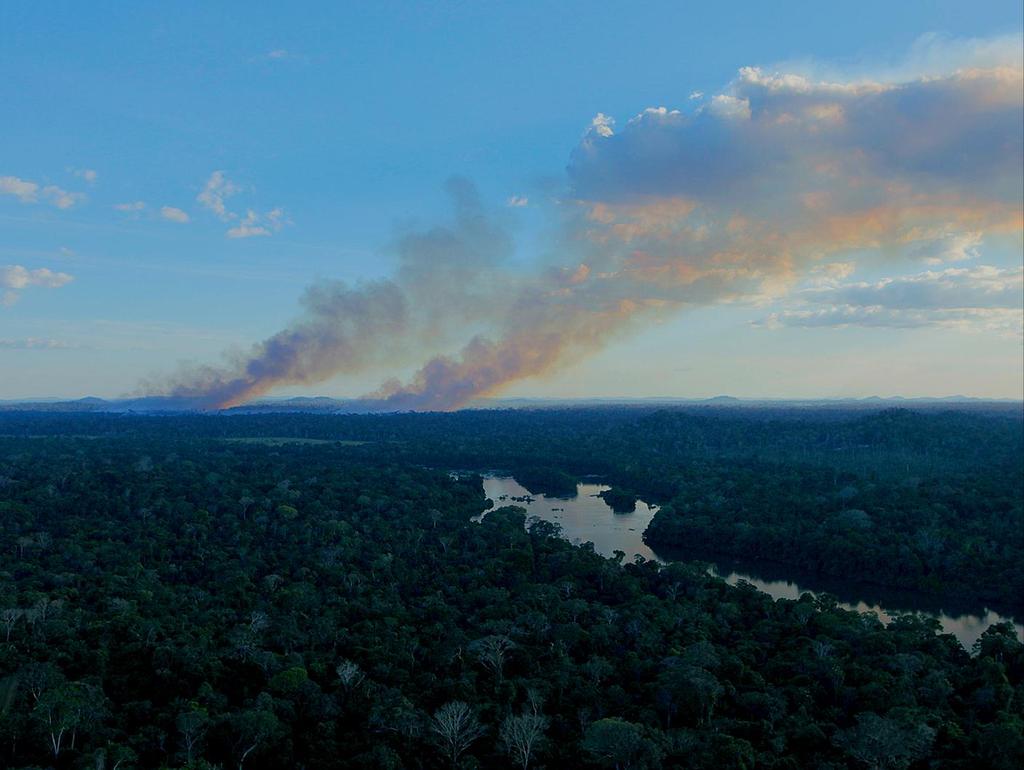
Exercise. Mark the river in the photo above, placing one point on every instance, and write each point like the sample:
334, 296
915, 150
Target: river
587, 517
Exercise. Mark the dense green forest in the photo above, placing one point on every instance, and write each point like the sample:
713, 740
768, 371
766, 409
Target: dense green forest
206, 591
926, 501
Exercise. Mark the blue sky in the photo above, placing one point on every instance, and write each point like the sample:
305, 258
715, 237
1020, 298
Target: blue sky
337, 126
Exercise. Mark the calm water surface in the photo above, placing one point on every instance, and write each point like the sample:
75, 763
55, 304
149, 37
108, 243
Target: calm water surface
586, 517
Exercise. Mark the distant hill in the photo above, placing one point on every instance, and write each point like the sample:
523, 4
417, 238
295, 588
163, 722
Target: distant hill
328, 405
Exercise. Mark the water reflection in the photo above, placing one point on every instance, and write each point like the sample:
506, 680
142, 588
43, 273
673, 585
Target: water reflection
586, 517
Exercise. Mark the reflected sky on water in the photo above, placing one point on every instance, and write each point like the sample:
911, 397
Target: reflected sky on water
586, 517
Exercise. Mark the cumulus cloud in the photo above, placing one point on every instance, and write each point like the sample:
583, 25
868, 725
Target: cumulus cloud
774, 134
602, 125
215, 192
32, 192
248, 227
172, 214
774, 182
25, 191
15, 278
982, 298
62, 199
218, 189
256, 225
747, 195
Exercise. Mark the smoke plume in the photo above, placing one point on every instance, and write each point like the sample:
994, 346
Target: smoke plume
734, 199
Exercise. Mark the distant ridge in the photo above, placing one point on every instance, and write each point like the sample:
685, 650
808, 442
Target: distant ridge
329, 405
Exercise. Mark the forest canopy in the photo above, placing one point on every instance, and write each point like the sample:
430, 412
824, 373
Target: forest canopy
314, 592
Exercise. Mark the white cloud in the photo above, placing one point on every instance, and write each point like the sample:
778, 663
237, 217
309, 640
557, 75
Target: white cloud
16, 278
602, 125
730, 107
173, 214
216, 191
62, 199
276, 218
31, 192
256, 225
133, 206
19, 277
247, 231
278, 53
517, 201
772, 138
25, 191
88, 174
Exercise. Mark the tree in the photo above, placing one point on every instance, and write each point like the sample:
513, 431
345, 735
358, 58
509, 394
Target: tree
521, 736
492, 652
8, 618
114, 757
456, 727
192, 724
254, 727
349, 674
620, 744
66, 709
881, 742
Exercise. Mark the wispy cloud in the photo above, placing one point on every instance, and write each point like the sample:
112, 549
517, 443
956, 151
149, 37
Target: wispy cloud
981, 298
130, 207
15, 278
32, 192
34, 343
281, 55
833, 271
88, 174
517, 201
949, 247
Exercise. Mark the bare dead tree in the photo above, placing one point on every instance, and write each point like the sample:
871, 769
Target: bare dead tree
492, 652
521, 735
456, 727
